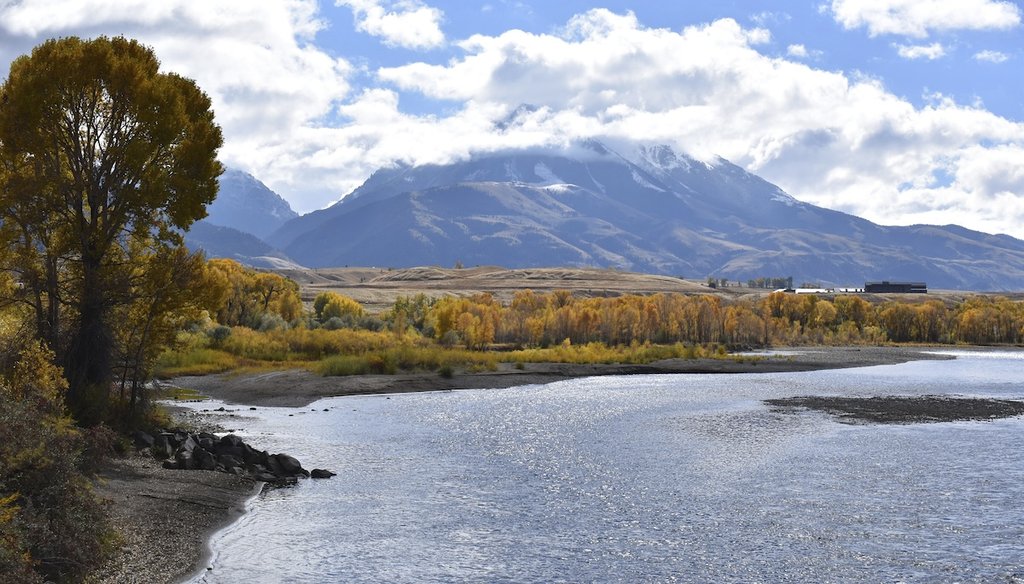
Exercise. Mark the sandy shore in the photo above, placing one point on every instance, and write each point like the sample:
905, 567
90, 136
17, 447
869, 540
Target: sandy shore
297, 388
166, 517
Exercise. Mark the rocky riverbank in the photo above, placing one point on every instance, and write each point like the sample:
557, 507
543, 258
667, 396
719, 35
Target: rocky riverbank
168, 497
165, 517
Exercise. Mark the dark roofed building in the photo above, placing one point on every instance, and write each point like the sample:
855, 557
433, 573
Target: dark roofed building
896, 287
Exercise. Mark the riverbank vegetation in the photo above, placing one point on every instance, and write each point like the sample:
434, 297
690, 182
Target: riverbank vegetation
477, 333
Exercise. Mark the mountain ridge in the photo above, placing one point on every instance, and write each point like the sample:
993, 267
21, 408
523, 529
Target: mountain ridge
651, 210
244, 203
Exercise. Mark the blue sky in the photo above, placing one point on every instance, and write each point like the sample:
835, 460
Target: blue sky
830, 45
901, 111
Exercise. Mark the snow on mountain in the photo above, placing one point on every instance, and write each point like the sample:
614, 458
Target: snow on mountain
647, 208
246, 204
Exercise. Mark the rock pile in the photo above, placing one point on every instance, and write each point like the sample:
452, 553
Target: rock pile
182, 450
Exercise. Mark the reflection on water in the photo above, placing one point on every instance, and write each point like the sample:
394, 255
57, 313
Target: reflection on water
650, 478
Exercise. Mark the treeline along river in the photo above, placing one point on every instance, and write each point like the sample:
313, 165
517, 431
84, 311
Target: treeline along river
643, 478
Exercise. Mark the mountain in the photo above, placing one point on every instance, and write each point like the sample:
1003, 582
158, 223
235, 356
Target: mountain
246, 204
651, 210
226, 242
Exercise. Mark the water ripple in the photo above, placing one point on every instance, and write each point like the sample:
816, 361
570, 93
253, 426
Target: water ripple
643, 479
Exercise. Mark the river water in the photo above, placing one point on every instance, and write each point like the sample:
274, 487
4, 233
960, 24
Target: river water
660, 478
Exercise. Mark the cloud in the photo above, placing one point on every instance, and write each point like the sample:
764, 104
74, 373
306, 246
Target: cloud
271, 87
802, 52
291, 117
930, 52
828, 138
991, 56
798, 51
767, 18
919, 18
409, 24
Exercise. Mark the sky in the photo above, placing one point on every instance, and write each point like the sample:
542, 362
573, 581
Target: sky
899, 111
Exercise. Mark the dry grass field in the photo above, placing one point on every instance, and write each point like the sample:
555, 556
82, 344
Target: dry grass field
377, 288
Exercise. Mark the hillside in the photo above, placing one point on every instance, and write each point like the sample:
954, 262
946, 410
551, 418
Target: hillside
246, 204
652, 211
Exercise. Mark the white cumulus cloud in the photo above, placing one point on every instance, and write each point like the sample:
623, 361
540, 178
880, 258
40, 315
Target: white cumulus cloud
930, 52
290, 117
800, 51
919, 18
271, 86
828, 138
408, 24
991, 56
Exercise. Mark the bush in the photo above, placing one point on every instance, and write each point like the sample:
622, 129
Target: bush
219, 334
271, 322
450, 339
52, 526
335, 323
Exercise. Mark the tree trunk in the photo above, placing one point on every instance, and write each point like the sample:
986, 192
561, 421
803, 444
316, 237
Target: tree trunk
89, 369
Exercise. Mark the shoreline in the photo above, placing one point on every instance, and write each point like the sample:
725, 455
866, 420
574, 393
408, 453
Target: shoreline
169, 517
166, 518
299, 387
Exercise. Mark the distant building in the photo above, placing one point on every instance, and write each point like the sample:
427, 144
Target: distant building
896, 287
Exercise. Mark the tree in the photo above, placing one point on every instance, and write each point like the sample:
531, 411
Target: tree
249, 295
170, 289
103, 157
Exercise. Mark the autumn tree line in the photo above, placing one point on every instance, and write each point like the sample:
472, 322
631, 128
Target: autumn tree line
265, 302
532, 319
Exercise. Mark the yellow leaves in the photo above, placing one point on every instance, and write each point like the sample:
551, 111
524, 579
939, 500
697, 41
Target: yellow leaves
35, 377
329, 305
250, 294
8, 508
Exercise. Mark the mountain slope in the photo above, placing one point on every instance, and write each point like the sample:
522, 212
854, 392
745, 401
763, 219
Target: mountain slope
226, 242
651, 210
246, 204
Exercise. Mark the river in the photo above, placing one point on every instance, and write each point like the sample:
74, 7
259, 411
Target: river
659, 478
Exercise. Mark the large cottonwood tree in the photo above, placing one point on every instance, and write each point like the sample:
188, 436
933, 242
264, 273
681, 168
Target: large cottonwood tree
103, 158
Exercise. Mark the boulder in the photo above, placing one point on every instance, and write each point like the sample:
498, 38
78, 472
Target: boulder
204, 459
285, 466
231, 441
163, 446
184, 459
142, 439
229, 461
186, 445
321, 473
228, 454
264, 476
207, 441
